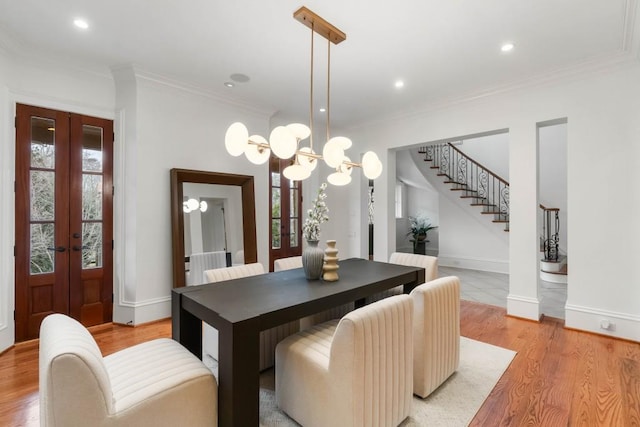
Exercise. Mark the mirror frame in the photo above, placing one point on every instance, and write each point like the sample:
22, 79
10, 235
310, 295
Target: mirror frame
178, 177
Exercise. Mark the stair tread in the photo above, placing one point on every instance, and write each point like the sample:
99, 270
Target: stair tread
473, 197
500, 220
482, 204
463, 189
493, 213
563, 271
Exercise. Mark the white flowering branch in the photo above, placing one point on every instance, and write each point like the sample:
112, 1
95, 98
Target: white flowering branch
318, 214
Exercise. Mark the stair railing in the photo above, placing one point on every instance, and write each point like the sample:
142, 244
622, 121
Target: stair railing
550, 239
475, 181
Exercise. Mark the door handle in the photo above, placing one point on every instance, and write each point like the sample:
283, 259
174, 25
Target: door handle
79, 248
58, 249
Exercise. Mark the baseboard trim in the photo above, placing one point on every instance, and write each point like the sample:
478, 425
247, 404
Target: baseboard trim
489, 265
524, 307
622, 325
137, 313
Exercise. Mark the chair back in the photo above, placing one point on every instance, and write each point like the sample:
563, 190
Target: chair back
200, 262
373, 346
436, 333
287, 263
429, 263
235, 272
74, 382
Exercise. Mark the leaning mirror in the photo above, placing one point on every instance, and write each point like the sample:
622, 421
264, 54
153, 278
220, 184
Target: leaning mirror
212, 216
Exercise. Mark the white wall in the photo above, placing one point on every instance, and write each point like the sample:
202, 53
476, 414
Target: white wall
491, 151
175, 128
604, 127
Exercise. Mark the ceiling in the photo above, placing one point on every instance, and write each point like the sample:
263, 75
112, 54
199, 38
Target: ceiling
443, 50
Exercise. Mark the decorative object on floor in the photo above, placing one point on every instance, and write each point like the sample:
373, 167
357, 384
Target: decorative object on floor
312, 260
158, 382
419, 226
330, 268
284, 141
312, 255
453, 404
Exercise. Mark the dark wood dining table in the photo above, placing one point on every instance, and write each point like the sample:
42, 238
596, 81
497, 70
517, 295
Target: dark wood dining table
239, 309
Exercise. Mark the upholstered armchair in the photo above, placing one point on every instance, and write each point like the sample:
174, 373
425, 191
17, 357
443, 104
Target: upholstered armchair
429, 263
357, 371
268, 338
156, 383
306, 322
436, 333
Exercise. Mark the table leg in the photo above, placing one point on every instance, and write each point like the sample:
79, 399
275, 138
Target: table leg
238, 376
185, 327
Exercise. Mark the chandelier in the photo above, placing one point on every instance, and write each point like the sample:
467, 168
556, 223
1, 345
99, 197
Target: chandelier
285, 141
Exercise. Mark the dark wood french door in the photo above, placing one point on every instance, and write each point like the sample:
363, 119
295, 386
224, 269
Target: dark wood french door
285, 205
64, 218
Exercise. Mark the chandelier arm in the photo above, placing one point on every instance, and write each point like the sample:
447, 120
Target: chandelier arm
311, 92
328, 88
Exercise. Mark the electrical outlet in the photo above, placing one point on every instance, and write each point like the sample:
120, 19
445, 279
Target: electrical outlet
607, 325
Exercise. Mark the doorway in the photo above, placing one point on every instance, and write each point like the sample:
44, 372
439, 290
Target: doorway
285, 207
64, 212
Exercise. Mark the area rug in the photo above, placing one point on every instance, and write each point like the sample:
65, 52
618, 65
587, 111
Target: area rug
454, 403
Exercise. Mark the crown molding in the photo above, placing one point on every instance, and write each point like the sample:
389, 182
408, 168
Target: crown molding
594, 66
154, 78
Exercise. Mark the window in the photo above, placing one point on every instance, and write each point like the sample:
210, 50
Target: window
399, 196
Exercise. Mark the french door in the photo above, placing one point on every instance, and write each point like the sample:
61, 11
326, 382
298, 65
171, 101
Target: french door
64, 227
285, 205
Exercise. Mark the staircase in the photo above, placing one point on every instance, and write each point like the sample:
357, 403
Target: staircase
553, 265
473, 181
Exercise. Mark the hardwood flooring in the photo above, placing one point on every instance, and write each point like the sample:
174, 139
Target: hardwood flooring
559, 377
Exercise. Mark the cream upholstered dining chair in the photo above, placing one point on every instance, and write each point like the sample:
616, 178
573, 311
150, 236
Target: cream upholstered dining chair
268, 338
156, 383
436, 333
429, 263
356, 371
306, 322
288, 263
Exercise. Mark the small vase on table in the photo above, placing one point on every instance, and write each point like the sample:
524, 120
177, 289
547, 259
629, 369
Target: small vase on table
312, 260
330, 268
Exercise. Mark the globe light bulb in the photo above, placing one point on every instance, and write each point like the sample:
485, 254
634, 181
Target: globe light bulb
283, 143
371, 165
236, 139
332, 153
257, 154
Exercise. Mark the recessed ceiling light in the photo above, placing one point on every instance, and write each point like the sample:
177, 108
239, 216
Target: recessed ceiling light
81, 23
322, 109
229, 84
399, 84
507, 47
239, 78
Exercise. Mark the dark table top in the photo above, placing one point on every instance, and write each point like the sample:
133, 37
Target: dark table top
288, 295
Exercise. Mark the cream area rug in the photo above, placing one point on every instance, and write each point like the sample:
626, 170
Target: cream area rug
454, 403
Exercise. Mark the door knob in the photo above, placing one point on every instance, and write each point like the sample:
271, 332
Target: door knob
58, 249
79, 248
76, 235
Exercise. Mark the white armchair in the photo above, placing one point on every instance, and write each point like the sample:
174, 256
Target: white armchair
436, 333
156, 383
356, 371
268, 338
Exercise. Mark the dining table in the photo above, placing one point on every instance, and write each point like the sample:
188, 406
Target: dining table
241, 308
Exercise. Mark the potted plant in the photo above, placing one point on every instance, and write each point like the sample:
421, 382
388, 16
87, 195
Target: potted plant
419, 226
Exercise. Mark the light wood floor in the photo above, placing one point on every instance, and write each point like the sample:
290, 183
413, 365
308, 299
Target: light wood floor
559, 377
